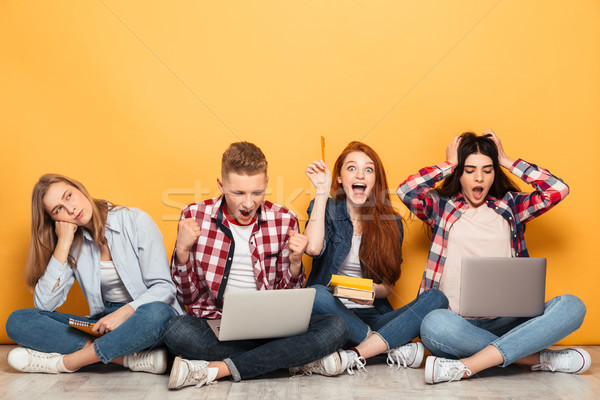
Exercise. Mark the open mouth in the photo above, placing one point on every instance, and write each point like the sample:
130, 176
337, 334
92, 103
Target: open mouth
478, 192
245, 213
359, 188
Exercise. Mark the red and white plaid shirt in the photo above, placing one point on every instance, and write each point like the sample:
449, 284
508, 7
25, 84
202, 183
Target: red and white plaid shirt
202, 280
440, 213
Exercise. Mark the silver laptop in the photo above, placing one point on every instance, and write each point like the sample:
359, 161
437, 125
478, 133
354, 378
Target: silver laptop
264, 314
502, 287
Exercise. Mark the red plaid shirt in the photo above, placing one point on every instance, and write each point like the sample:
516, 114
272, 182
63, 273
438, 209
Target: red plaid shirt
440, 213
202, 280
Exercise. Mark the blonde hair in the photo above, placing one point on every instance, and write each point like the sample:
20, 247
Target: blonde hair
243, 158
43, 235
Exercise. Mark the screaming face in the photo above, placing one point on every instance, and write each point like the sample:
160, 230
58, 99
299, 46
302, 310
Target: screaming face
244, 194
477, 178
357, 177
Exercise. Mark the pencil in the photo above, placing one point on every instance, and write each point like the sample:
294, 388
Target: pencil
322, 148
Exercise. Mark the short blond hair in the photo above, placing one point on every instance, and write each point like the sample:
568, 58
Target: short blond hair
243, 158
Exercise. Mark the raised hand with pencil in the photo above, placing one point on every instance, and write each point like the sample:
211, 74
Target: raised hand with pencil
355, 238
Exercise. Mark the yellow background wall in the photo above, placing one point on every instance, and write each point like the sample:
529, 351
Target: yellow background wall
139, 99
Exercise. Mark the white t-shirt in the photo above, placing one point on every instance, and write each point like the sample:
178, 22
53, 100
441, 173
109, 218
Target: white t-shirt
351, 267
241, 274
479, 232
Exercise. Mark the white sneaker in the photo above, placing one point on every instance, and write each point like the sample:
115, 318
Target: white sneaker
190, 372
571, 361
444, 370
153, 361
28, 360
351, 360
330, 365
409, 355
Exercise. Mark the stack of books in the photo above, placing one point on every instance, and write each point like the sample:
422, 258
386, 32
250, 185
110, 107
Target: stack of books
351, 287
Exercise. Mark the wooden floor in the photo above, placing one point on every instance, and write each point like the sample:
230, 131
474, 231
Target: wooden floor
381, 382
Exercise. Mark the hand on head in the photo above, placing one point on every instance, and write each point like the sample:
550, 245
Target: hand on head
503, 159
452, 151
320, 176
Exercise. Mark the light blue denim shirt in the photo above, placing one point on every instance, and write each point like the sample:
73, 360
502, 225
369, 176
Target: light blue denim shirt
139, 256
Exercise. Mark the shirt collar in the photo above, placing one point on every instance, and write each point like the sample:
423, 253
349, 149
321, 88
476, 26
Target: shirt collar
463, 203
341, 210
112, 223
217, 212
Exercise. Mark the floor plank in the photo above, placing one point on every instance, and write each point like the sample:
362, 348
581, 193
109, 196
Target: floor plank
380, 382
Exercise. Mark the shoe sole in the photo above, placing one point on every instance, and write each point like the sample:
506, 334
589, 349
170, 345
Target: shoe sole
587, 360
337, 367
430, 369
163, 362
174, 374
418, 356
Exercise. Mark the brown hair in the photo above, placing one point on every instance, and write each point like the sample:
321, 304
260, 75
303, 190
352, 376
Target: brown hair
381, 245
471, 143
243, 158
43, 235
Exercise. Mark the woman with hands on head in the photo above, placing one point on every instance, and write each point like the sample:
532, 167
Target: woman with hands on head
119, 260
478, 211
357, 232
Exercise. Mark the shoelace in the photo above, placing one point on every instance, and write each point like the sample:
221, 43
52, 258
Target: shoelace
305, 369
454, 373
543, 367
40, 361
359, 363
141, 360
199, 374
555, 361
398, 356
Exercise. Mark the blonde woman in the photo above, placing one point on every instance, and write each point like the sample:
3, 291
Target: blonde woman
119, 260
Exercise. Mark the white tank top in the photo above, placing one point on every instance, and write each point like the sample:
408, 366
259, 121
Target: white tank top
112, 286
351, 267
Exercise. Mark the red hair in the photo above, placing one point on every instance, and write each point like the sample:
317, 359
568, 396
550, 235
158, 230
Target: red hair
381, 245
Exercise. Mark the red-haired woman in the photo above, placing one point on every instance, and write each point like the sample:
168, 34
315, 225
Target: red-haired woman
358, 233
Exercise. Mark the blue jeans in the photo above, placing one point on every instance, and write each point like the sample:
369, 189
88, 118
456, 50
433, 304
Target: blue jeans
447, 334
192, 338
49, 331
396, 327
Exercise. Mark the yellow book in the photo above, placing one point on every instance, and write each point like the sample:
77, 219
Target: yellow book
351, 282
351, 293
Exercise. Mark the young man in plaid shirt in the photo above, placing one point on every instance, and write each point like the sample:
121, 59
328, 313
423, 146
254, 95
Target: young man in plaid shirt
239, 241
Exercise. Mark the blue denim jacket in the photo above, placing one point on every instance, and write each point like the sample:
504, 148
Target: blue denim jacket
336, 246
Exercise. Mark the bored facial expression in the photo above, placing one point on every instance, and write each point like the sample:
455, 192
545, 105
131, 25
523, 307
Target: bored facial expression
357, 177
477, 178
244, 194
63, 202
